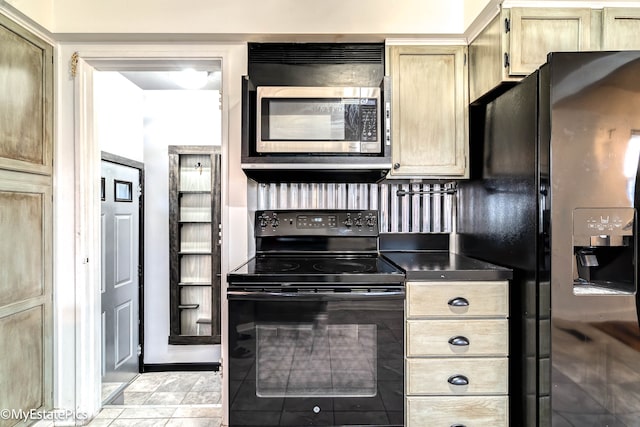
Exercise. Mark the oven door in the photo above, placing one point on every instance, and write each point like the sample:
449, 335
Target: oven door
298, 358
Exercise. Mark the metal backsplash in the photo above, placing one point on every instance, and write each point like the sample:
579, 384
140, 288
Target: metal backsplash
404, 208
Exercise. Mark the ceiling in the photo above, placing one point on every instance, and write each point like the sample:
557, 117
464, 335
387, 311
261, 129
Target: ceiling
170, 80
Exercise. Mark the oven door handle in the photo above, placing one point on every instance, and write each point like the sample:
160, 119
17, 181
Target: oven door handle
314, 296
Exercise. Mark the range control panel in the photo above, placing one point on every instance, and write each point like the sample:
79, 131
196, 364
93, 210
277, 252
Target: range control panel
316, 223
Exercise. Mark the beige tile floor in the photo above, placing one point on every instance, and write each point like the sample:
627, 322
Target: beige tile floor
166, 399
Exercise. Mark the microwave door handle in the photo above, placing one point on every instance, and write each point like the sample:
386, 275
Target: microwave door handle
386, 90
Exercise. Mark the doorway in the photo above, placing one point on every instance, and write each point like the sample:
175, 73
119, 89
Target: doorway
139, 115
78, 339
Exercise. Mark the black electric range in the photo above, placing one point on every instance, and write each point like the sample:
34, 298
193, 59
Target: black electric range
316, 324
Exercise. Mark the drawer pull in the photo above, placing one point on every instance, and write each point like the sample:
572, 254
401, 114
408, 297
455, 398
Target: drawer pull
458, 425
459, 302
459, 341
458, 380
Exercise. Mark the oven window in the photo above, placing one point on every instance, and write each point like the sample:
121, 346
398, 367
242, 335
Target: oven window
301, 361
316, 359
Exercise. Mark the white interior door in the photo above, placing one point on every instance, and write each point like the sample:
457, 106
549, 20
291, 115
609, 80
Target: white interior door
120, 230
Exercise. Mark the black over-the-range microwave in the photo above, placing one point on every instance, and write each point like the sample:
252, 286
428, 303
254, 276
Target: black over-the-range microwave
318, 133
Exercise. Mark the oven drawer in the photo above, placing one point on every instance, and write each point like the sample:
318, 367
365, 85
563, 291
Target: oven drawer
457, 376
457, 299
459, 410
482, 337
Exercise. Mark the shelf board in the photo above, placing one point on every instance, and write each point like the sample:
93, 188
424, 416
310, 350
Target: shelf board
193, 339
188, 306
194, 253
194, 284
194, 191
194, 222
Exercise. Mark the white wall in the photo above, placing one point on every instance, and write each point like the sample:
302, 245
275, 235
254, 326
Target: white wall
473, 8
340, 17
171, 118
40, 11
246, 19
118, 115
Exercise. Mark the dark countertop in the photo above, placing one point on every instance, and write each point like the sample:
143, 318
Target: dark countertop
443, 265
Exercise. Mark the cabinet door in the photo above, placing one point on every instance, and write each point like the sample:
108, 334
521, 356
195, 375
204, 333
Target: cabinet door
26, 327
26, 99
620, 28
534, 32
486, 63
429, 117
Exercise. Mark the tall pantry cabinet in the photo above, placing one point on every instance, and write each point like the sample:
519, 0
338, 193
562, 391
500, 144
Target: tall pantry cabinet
26, 220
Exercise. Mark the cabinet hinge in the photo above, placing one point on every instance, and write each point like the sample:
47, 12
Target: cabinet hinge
74, 64
507, 25
506, 60
139, 271
465, 59
139, 350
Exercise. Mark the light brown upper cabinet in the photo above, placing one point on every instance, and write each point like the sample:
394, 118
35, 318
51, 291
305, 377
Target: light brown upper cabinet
620, 28
533, 33
429, 111
26, 96
518, 40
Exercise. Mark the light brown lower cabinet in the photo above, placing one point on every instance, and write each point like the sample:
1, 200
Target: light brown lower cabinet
457, 366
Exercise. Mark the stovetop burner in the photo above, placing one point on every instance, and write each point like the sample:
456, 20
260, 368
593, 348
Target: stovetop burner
343, 267
275, 265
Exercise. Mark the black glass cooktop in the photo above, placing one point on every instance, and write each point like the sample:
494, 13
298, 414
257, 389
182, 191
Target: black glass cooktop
317, 269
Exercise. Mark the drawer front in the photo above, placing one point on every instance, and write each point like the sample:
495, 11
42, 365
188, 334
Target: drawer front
483, 337
465, 411
457, 299
437, 376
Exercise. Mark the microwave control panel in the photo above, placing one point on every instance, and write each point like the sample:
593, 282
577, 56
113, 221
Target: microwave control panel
369, 120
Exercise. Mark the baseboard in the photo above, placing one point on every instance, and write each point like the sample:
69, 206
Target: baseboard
169, 367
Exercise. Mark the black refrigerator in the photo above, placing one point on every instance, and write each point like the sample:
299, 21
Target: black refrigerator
553, 195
